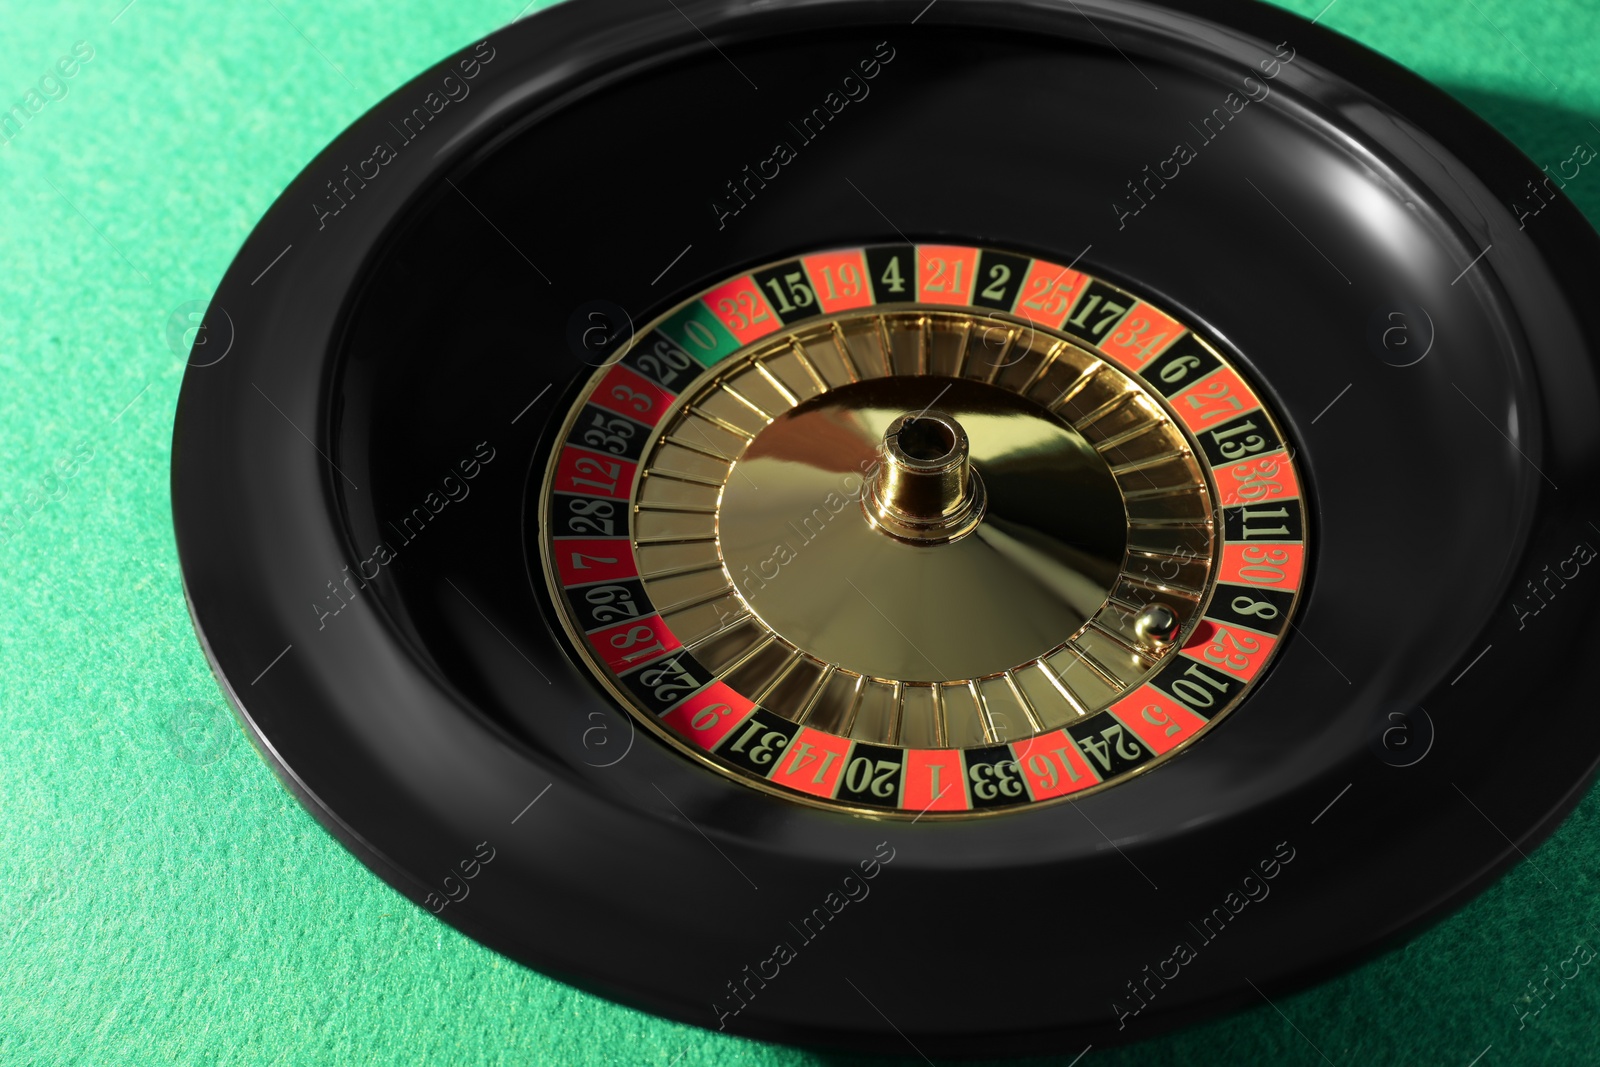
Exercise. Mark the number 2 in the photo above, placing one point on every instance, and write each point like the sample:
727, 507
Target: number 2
999, 275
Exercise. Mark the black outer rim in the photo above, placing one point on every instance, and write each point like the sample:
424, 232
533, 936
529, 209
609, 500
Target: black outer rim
228, 563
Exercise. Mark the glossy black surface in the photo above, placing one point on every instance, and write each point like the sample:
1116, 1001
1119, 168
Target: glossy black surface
424, 327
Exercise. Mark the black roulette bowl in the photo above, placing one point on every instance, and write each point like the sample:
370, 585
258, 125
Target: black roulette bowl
360, 490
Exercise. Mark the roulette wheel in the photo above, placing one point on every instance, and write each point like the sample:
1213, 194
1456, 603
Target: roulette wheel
971, 525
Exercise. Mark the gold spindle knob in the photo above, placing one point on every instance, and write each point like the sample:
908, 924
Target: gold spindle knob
925, 490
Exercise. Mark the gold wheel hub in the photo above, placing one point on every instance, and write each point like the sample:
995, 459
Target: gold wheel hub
924, 490
846, 551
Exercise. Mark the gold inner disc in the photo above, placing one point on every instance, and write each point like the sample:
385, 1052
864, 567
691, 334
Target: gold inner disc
1038, 565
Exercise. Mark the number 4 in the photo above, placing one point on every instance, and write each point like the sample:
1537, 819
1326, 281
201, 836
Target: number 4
892, 279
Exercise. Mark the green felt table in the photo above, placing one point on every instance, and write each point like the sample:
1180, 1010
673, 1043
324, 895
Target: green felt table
164, 900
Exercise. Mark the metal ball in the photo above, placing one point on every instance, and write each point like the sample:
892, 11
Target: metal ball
1156, 624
